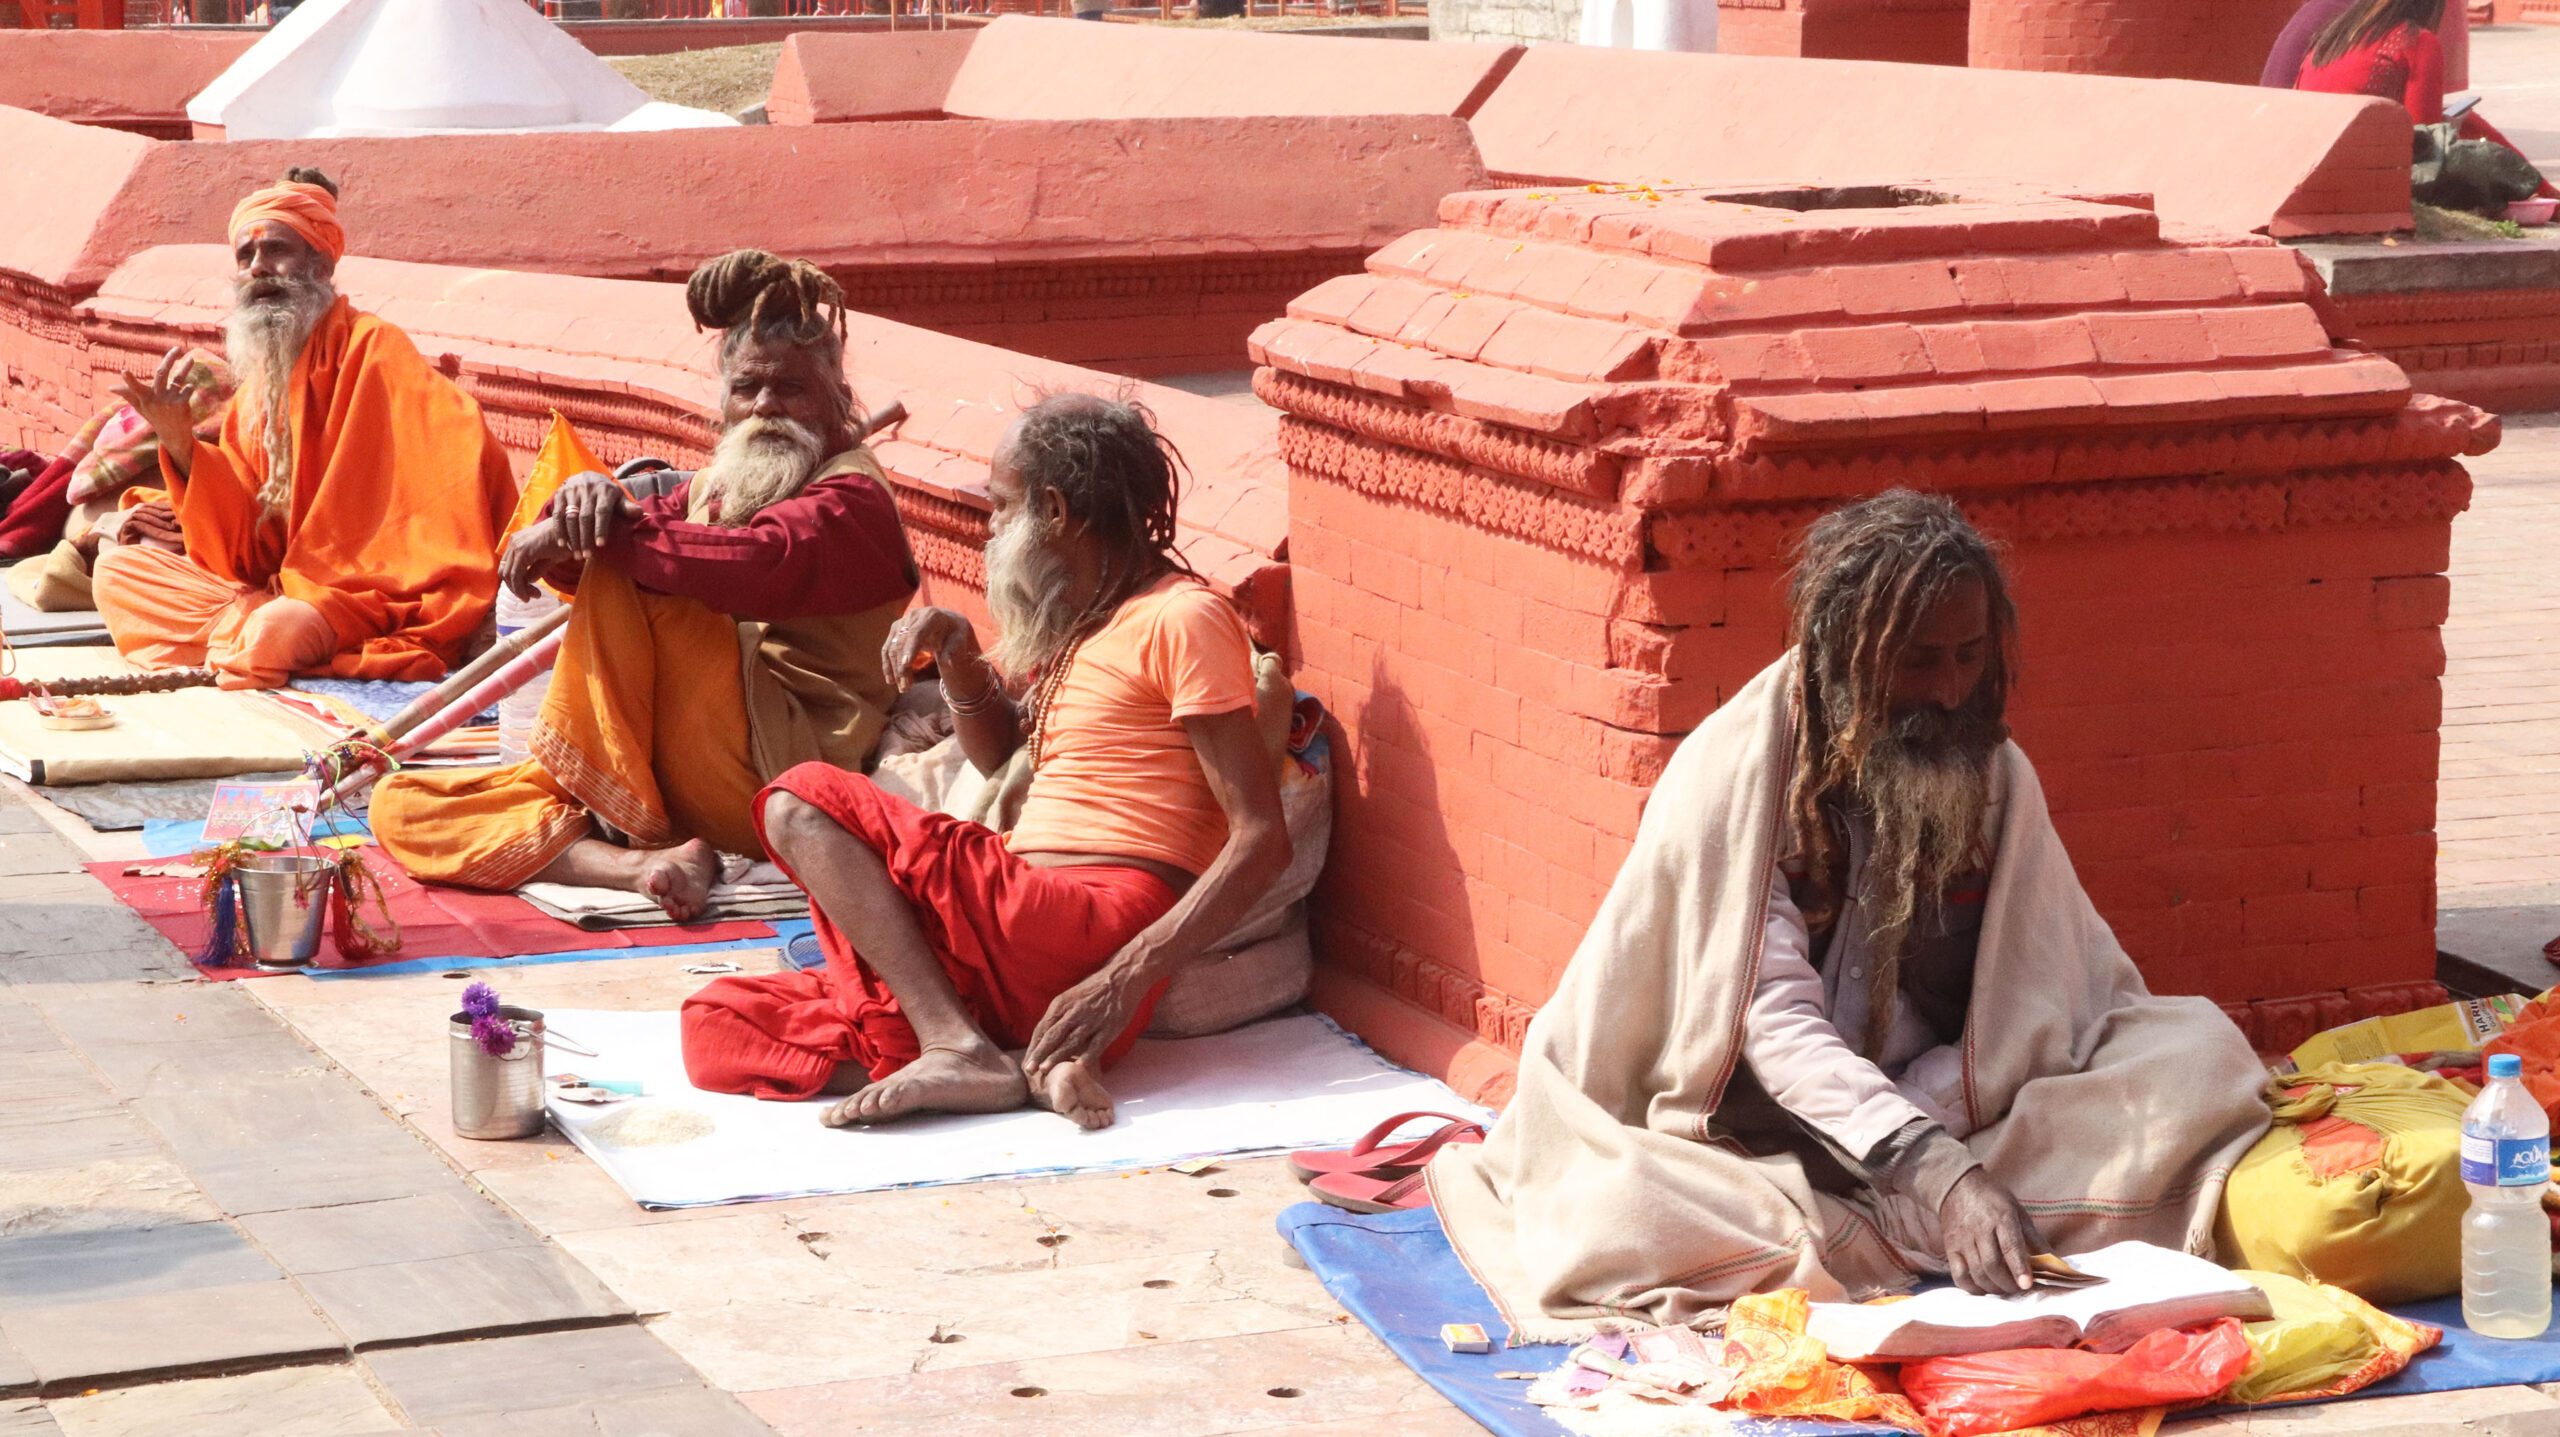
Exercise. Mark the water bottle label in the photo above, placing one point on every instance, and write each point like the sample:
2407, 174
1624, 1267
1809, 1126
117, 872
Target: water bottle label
2506, 1162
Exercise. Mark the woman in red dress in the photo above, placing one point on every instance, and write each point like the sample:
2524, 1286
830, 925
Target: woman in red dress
2384, 48
2388, 49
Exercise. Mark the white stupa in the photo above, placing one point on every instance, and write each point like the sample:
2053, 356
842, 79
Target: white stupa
424, 67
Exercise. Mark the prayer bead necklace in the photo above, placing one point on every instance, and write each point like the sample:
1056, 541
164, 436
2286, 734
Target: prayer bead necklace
1045, 692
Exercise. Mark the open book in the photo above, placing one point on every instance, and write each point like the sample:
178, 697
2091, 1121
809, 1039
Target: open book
2147, 1288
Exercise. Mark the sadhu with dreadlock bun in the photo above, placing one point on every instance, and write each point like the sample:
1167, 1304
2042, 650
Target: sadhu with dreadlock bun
1150, 828
727, 627
1846, 1019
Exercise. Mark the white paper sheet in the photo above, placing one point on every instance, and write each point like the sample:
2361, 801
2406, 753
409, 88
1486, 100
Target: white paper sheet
1288, 1083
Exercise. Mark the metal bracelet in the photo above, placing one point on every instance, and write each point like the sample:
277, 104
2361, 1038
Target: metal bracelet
971, 707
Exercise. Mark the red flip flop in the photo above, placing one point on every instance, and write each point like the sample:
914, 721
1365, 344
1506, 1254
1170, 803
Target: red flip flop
1359, 1192
1394, 1160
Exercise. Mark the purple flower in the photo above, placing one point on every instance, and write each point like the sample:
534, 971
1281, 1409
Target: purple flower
480, 1000
495, 1035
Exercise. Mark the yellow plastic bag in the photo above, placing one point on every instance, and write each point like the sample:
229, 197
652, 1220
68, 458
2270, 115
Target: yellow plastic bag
2323, 1342
2467, 1023
2358, 1184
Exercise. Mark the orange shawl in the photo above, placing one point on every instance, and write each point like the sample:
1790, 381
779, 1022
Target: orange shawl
399, 495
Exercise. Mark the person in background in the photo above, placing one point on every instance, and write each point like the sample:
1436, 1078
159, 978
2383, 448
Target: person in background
2388, 49
2284, 62
2384, 48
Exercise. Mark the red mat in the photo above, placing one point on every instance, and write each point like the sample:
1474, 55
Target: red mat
434, 922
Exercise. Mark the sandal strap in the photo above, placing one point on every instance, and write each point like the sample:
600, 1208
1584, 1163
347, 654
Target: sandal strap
1396, 1192
1370, 1140
1421, 1152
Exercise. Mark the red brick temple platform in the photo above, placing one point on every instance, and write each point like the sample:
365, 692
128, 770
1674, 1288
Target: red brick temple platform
1545, 462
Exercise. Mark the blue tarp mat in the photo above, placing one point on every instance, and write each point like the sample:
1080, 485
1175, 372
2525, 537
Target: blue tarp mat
377, 699
784, 930
173, 837
1398, 1275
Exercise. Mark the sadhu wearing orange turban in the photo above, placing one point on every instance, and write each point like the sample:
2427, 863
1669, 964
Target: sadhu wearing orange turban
345, 522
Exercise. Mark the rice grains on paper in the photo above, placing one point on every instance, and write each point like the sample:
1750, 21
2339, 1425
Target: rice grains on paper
650, 1125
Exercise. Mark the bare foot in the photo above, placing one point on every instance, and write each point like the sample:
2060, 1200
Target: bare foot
943, 1080
680, 878
1073, 1089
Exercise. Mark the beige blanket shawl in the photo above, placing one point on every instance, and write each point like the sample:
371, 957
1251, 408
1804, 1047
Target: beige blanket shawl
1599, 1201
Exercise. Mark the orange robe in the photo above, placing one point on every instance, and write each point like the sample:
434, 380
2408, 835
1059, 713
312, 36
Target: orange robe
699, 663
400, 494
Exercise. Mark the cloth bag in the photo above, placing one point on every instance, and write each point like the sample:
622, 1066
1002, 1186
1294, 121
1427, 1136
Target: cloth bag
2358, 1184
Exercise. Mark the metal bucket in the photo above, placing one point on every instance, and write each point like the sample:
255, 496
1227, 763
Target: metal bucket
497, 1097
284, 898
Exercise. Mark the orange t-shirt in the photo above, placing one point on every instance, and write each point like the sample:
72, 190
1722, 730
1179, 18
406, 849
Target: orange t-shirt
1117, 772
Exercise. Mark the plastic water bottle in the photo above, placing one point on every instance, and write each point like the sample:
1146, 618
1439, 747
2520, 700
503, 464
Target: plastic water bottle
2506, 1240
518, 710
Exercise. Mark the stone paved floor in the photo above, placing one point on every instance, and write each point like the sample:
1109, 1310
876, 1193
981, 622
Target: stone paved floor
190, 1192
237, 1209
240, 1208
2515, 69
2498, 797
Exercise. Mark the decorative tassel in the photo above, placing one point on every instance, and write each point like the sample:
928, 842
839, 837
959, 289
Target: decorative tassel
224, 944
356, 938
228, 943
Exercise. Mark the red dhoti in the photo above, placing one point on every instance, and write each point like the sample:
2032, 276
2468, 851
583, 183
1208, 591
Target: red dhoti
1012, 936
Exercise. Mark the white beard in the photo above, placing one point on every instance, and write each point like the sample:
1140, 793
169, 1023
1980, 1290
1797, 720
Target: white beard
759, 462
263, 339
1027, 594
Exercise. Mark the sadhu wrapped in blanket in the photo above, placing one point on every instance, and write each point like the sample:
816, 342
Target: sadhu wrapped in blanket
1846, 1019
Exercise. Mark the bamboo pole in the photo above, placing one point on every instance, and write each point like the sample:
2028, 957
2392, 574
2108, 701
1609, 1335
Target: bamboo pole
435, 700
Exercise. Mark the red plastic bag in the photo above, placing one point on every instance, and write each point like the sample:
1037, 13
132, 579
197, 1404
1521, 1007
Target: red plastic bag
2002, 1391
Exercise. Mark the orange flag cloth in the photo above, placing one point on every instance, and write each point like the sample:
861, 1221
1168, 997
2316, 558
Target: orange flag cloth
399, 495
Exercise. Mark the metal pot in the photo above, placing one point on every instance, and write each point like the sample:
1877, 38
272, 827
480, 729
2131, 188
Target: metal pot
496, 1097
284, 898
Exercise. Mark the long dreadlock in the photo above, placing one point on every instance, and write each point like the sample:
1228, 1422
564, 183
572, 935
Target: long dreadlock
748, 294
1865, 577
1120, 478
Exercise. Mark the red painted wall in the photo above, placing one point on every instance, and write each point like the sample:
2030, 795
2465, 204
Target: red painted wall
2218, 156
1023, 68
1920, 32
1143, 246
1546, 462
624, 362
139, 80
2225, 40
831, 79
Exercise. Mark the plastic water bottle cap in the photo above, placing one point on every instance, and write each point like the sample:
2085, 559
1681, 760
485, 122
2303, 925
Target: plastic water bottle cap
2505, 1065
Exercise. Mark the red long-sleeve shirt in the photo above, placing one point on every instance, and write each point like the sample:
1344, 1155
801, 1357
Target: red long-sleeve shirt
836, 547
2406, 65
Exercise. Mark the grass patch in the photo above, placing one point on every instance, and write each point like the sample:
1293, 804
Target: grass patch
728, 79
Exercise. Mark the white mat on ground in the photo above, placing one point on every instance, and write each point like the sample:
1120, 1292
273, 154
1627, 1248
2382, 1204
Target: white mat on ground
601, 909
1288, 1083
